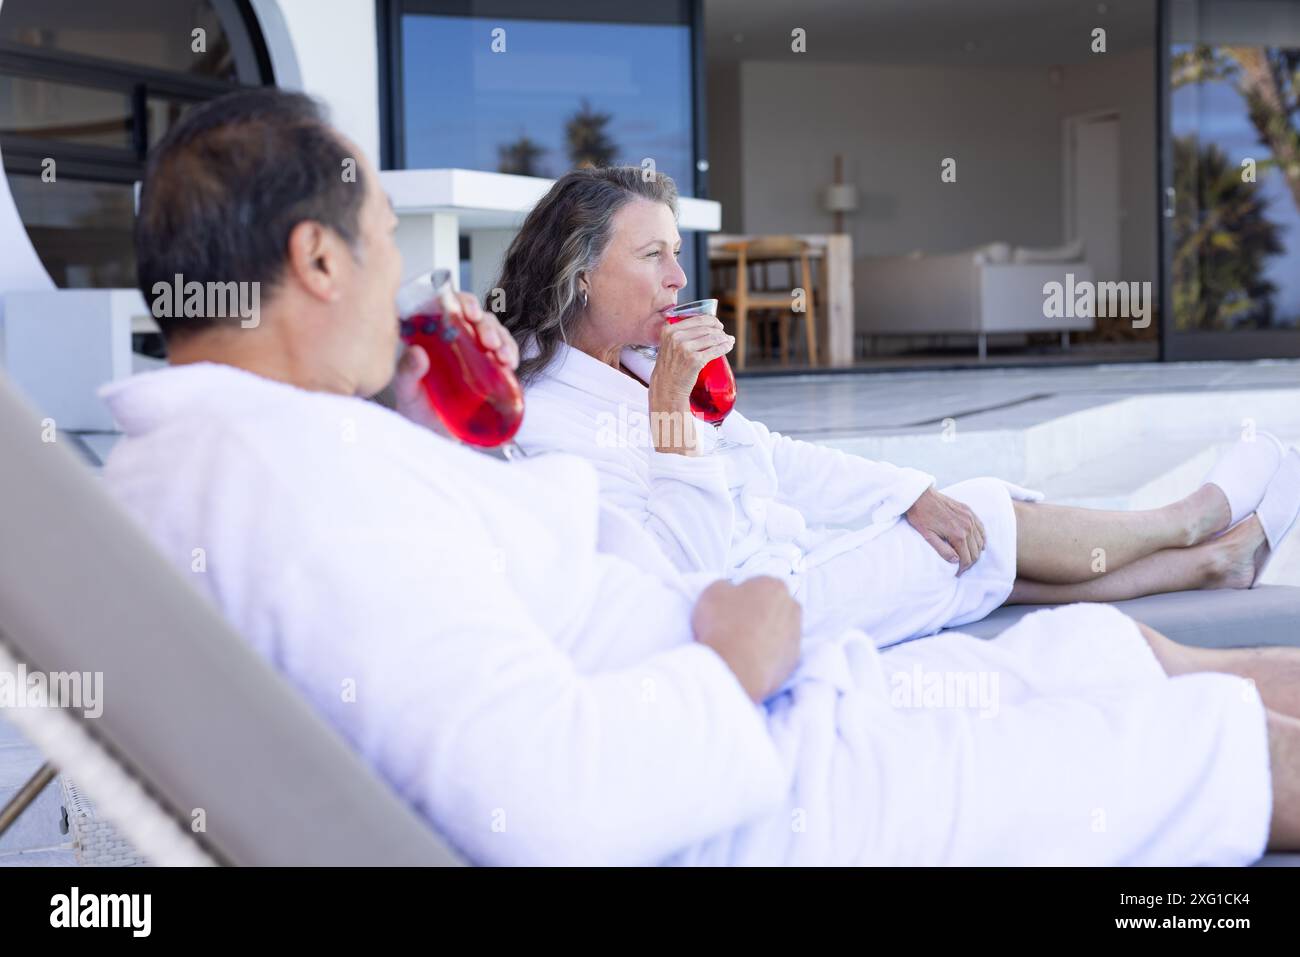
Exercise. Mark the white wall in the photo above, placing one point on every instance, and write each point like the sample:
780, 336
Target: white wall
329, 48
20, 267
894, 125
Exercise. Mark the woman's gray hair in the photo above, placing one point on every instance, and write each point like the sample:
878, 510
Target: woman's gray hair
566, 233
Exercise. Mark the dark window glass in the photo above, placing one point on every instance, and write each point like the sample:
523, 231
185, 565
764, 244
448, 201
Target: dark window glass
158, 34
86, 87
81, 229
163, 114
64, 112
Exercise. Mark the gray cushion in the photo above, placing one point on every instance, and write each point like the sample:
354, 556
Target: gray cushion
1224, 618
1278, 860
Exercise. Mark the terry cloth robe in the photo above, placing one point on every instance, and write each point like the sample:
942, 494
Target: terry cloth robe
518, 663
829, 524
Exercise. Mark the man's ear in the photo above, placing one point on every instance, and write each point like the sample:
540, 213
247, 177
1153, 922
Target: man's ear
313, 260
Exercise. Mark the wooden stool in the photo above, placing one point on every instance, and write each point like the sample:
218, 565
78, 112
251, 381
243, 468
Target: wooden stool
745, 298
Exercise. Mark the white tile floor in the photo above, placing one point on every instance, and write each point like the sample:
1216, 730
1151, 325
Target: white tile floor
36, 838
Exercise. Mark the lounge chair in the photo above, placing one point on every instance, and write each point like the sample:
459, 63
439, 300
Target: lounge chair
193, 719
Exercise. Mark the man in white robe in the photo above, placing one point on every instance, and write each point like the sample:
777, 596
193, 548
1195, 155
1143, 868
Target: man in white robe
530, 672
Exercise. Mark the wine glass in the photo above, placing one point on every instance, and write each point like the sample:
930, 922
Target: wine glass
714, 394
475, 396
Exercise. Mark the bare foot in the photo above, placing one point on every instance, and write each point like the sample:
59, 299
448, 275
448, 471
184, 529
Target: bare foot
1208, 513
1235, 557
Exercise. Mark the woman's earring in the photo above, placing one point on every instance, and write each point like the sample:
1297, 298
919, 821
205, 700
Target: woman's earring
584, 299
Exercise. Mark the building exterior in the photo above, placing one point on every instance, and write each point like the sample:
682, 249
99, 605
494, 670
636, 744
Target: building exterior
1150, 144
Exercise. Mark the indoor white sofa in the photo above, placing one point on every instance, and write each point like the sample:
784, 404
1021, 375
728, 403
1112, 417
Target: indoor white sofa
978, 292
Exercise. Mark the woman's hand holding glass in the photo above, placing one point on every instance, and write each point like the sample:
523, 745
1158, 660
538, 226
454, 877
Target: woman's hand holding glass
685, 348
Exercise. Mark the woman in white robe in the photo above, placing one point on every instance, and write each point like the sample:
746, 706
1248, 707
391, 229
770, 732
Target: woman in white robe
860, 543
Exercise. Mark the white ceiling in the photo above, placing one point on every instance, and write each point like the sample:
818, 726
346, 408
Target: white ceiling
975, 32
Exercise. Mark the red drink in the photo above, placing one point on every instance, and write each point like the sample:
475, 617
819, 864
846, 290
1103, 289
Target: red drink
714, 394
477, 398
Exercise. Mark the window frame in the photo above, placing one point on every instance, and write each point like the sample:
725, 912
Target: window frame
25, 154
392, 101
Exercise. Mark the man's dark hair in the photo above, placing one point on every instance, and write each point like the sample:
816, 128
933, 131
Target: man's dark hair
227, 185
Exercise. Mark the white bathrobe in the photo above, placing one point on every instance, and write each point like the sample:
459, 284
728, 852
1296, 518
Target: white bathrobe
518, 663
828, 523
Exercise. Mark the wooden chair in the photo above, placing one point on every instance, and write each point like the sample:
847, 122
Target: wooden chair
745, 298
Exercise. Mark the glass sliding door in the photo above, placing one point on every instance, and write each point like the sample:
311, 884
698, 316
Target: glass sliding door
1231, 177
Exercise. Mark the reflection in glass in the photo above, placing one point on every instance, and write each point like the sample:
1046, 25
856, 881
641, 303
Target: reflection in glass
81, 230
566, 94
1222, 240
1235, 123
88, 86
61, 111
151, 33
163, 115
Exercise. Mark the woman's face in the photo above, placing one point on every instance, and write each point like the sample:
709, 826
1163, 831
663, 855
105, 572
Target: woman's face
638, 277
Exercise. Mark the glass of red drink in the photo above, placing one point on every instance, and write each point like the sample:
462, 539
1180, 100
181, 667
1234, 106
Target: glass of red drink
475, 395
714, 395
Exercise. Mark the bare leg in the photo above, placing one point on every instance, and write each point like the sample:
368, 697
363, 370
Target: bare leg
1274, 670
1284, 761
1276, 673
1229, 561
1062, 545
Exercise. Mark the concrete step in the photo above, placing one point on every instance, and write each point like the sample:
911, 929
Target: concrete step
1045, 439
1141, 474
1138, 452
